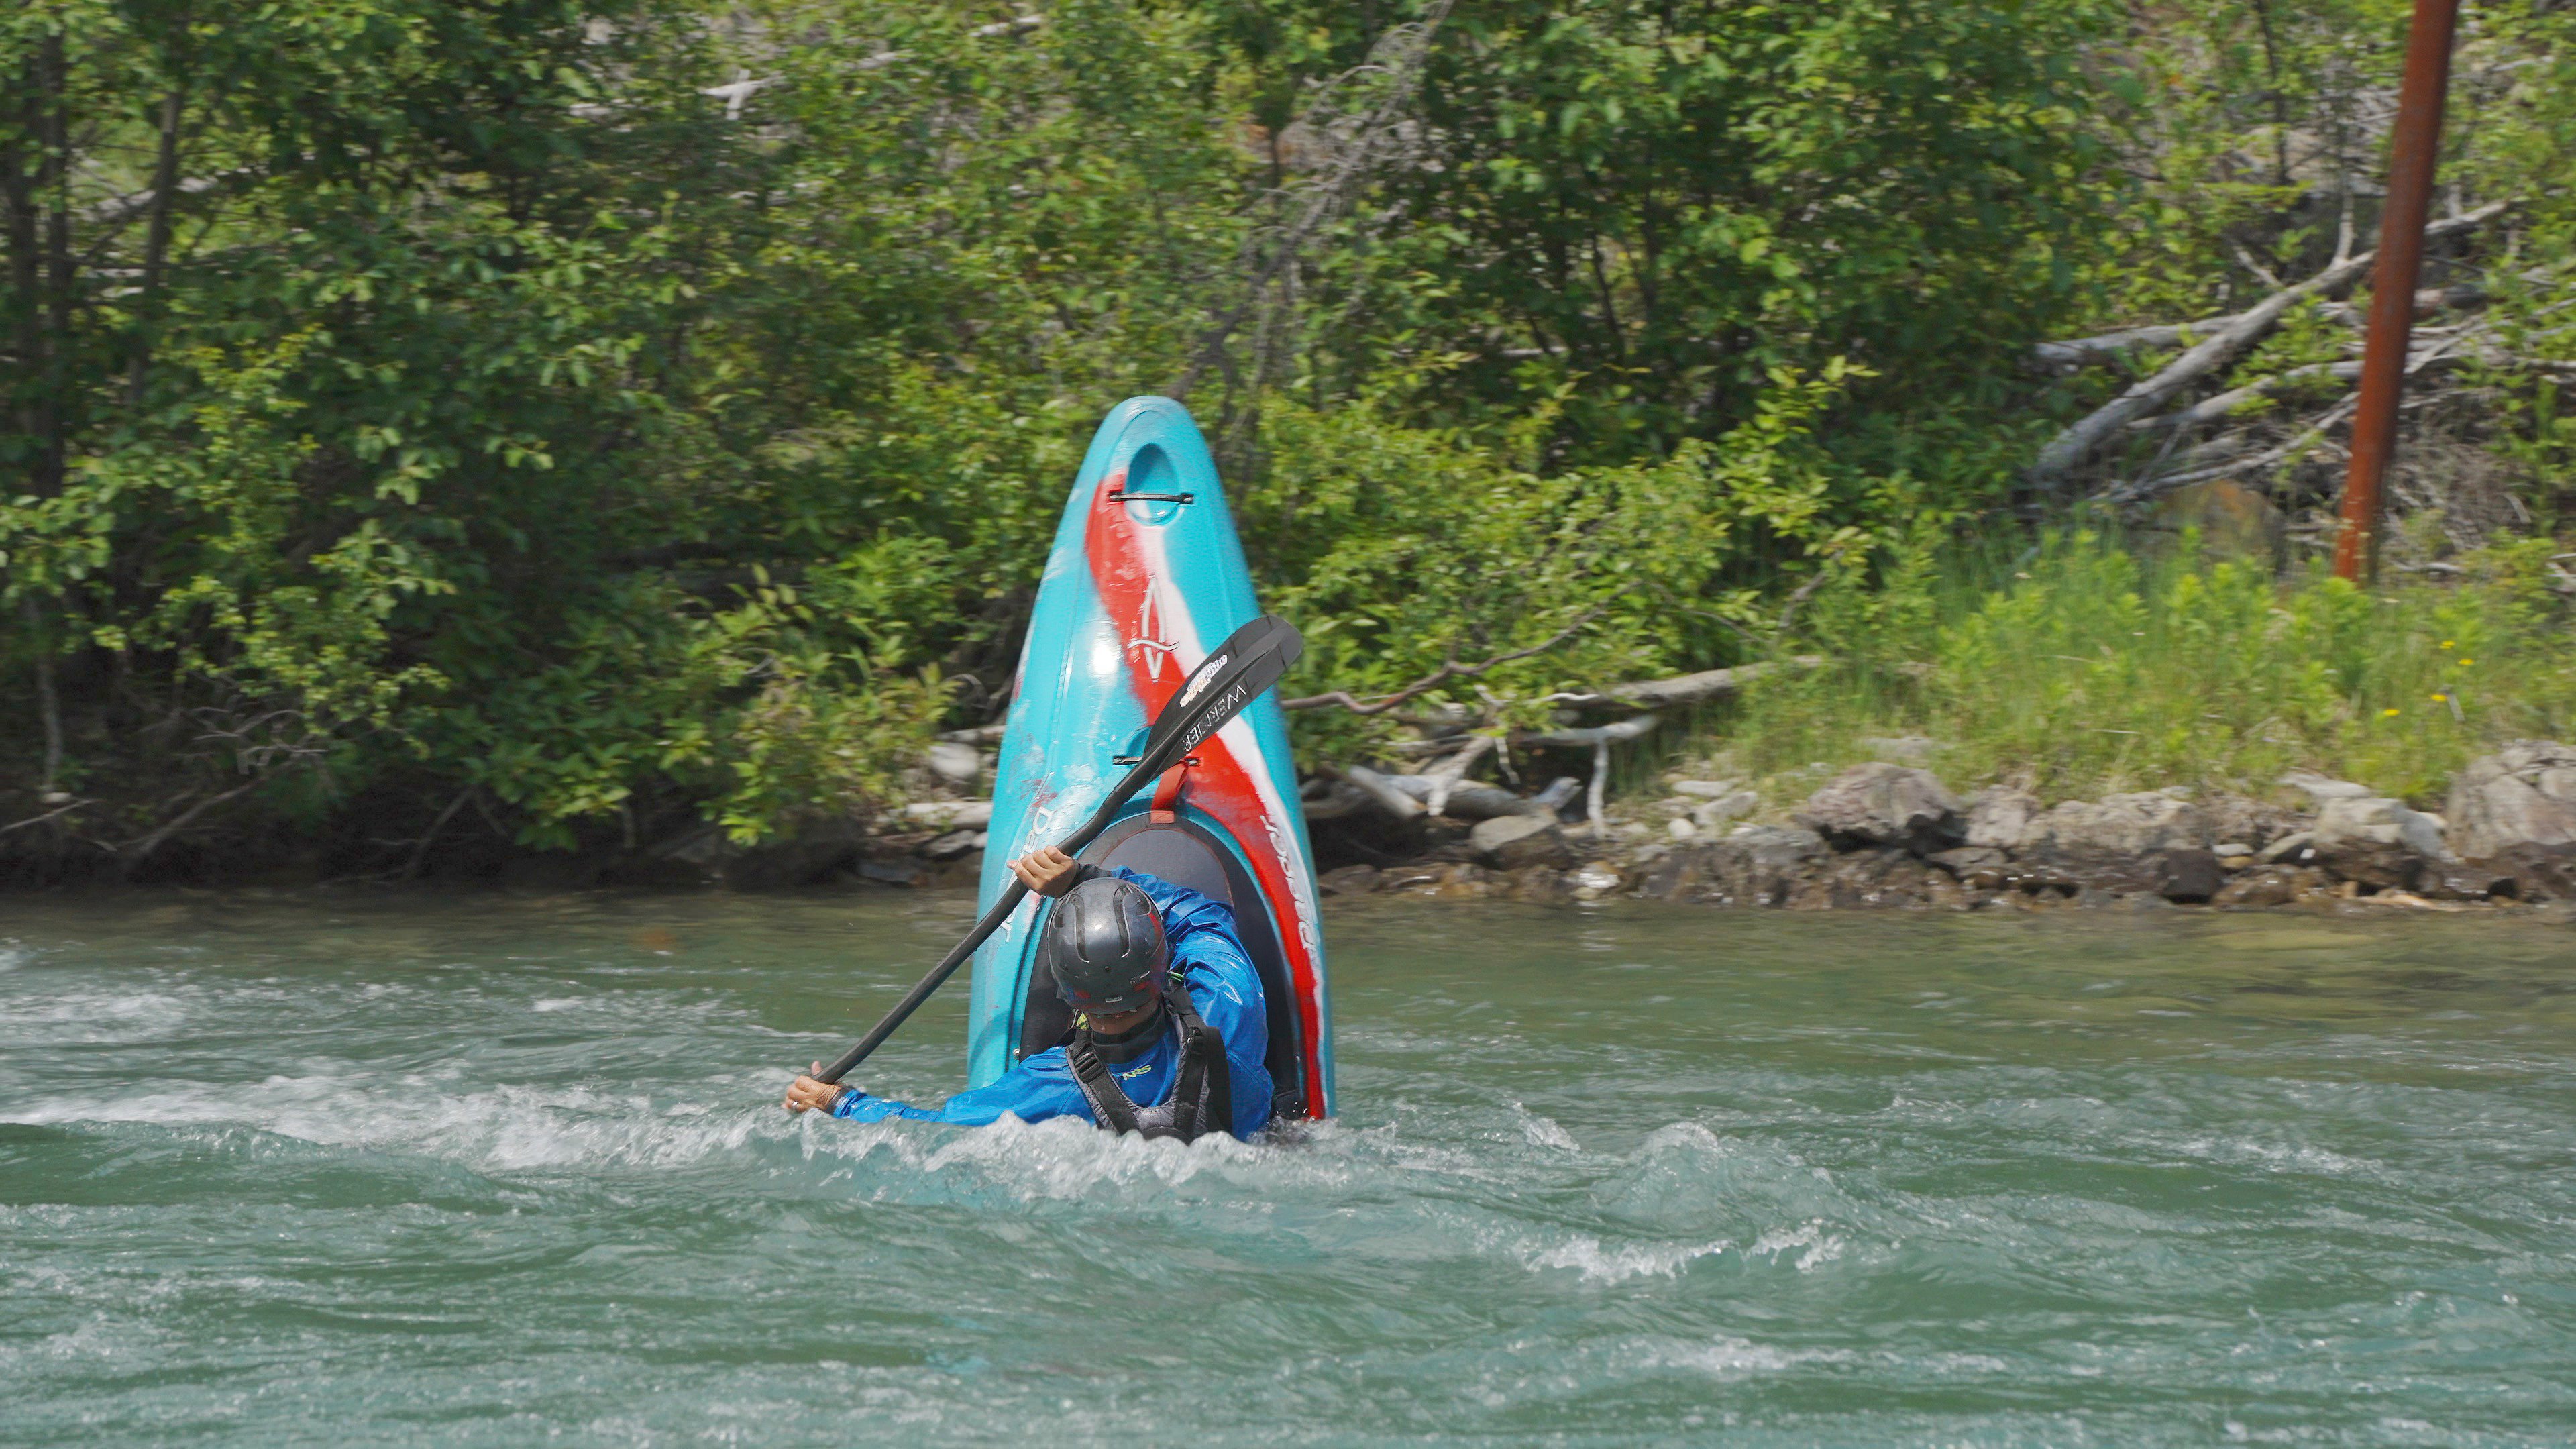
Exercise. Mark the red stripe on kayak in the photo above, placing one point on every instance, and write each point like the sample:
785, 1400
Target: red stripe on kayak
1220, 785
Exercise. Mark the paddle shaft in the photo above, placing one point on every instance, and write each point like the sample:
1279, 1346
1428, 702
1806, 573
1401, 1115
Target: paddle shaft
990, 922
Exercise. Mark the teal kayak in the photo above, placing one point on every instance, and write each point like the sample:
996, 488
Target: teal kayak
1145, 576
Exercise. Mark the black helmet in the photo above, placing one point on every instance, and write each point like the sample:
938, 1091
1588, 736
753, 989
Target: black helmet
1105, 945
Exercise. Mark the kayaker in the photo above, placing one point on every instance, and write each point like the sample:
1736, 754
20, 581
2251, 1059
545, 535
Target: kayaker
1163, 993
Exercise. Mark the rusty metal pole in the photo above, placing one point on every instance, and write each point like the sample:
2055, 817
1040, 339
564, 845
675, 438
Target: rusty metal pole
2412, 152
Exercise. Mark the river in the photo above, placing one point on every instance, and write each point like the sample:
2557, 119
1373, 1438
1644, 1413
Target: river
323, 1169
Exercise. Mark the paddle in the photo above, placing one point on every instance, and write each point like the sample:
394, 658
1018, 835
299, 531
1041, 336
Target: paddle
1248, 662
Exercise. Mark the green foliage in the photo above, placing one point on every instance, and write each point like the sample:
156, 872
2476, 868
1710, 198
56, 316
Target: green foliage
2089, 671
1640, 212
630, 413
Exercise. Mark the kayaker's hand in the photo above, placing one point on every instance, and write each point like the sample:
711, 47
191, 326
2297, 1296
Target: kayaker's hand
805, 1094
1045, 870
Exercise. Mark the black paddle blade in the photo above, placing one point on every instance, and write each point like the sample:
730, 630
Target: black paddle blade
1249, 661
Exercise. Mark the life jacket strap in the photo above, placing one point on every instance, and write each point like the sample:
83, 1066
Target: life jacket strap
1202, 1098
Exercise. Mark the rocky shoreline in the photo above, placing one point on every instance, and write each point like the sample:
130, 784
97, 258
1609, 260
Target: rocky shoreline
1889, 836
1879, 836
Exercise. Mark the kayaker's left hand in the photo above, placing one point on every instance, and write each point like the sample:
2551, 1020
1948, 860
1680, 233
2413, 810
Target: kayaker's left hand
1045, 870
806, 1094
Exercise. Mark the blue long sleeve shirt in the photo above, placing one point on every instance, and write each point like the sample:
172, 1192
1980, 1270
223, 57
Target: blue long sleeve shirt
1221, 981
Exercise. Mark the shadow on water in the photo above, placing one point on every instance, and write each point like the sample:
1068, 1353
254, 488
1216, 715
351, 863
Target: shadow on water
312, 1168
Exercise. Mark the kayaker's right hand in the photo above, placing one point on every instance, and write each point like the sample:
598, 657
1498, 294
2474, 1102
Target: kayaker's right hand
1046, 870
806, 1094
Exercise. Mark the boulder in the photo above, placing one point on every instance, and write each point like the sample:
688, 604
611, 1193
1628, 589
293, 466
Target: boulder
1758, 865
955, 763
2188, 875
1869, 878
1514, 842
1881, 804
2000, 816
1349, 880
2515, 813
2234, 520
2126, 844
2376, 840
2120, 843
2244, 820
2264, 885
1981, 867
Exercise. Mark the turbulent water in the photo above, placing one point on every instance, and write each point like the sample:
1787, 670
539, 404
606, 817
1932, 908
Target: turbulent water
324, 1170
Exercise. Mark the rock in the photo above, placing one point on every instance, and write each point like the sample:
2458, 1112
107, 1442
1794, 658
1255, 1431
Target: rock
1731, 806
1978, 867
1900, 749
894, 872
2120, 843
1887, 805
816, 853
2294, 846
955, 763
1594, 881
1680, 828
1349, 880
2234, 521
949, 814
1880, 878
2264, 885
2188, 875
2000, 816
1465, 881
954, 844
1755, 866
1512, 842
2321, 789
2375, 840
1705, 789
2244, 820
2516, 810
2231, 850
2529, 872
1541, 885
1759, 864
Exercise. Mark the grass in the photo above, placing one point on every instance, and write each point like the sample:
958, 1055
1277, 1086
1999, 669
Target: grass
2082, 669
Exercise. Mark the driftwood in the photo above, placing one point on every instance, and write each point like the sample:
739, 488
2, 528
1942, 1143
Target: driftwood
2078, 441
2073, 354
1383, 792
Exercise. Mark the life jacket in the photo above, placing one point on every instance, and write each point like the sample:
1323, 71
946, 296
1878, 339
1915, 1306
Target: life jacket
1202, 1099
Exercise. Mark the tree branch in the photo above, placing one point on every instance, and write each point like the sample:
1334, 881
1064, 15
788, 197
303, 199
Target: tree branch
2072, 446
1450, 669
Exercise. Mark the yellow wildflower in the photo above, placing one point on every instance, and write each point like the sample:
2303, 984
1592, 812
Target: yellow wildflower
2446, 643
2388, 714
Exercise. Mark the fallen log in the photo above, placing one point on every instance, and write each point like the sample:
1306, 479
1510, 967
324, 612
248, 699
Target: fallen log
2078, 441
1383, 792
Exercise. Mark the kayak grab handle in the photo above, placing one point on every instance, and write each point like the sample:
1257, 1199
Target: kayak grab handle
1123, 496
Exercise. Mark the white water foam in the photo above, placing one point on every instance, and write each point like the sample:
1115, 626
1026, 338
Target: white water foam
1584, 1254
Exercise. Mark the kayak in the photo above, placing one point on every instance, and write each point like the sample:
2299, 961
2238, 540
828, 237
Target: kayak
1145, 576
